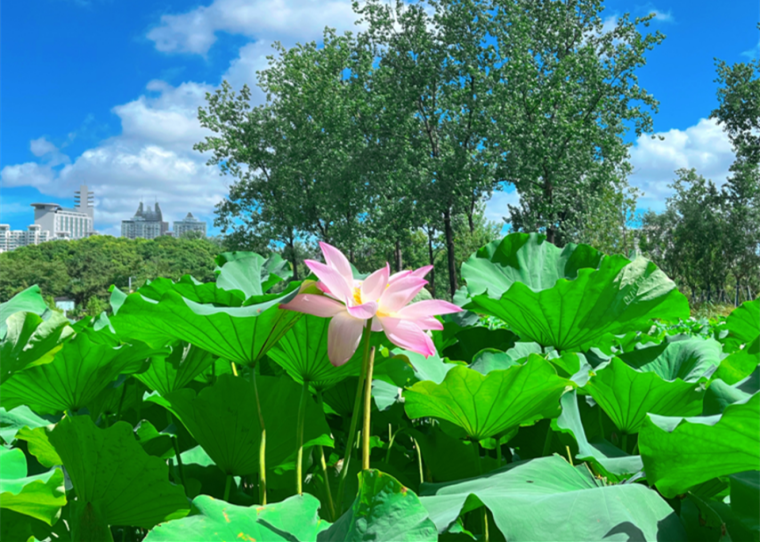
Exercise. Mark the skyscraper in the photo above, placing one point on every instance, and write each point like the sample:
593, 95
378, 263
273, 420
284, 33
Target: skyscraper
189, 223
147, 223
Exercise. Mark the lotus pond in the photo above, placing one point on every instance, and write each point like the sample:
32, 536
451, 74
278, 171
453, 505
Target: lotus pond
570, 398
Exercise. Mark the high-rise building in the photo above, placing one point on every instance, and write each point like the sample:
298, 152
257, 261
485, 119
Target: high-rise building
12, 239
147, 223
53, 221
67, 223
189, 223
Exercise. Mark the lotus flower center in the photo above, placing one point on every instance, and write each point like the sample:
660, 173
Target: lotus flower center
358, 295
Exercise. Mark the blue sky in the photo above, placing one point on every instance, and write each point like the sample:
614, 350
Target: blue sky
105, 92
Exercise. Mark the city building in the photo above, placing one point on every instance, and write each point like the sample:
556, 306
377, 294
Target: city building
189, 223
67, 223
12, 239
147, 223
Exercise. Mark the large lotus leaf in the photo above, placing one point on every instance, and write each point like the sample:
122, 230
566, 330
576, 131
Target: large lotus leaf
176, 370
114, 476
618, 297
431, 368
223, 418
29, 300
525, 258
241, 334
384, 510
251, 273
490, 405
686, 358
547, 499
40, 496
194, 290
302, 352
744, 322
29, 340
741, 363
719, 394
609, 461
627, 395
11, 421
472, 340
745, 500
679, 453
77, 374
38, 444
294, 519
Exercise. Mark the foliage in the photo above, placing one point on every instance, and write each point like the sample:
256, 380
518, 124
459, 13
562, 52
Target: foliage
158, 413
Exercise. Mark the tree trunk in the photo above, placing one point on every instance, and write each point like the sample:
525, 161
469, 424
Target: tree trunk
550, 235
431, 232
449, 233
293, 259
397, 256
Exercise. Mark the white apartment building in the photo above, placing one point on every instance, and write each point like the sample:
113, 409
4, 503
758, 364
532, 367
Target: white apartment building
12, 239
147, 223
189, 223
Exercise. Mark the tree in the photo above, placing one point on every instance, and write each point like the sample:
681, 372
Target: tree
566, 93
436, 74
739, 106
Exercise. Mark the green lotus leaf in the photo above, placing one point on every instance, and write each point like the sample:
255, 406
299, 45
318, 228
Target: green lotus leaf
293, 519
472, 340
745, 500
491, 359
741, 363
176, 370
78, 373
608, 461
14, 420
547, 499
241, 334
29, 341
250, 273
525, 258
744, 322
224, 419
679, 453
431, 368
627, 395
40, 496
116, 481
384, 510
619, 296
192, 289
490, 405
39, 445
302, 352
719, 394
685, 358
29, 300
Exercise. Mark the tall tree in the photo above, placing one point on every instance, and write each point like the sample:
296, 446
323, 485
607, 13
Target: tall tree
437, 75
567, 93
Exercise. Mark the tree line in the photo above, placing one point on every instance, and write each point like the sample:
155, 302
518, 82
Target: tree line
83, 270
391, 139
708, 238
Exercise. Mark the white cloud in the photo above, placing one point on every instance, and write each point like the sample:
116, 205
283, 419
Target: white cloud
662, 16
242, 70
283, 20
152, 160
704, 146
41, 147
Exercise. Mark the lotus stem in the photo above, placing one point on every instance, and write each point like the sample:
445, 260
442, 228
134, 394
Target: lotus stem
300, 428
636, 447
355, 417
391, 440
419, 459
121, 399
175, 443
330, 503
367, 410
227, 486
498, 452
625, 442
263, 445
548, 441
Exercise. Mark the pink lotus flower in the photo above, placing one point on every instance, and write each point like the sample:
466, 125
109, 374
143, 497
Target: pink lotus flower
381, 297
